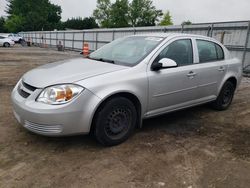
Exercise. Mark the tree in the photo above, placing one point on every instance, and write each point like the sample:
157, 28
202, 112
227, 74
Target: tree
102, 12
2, 25
167, 19
144, 13
14, 23
124, 14
119, 14
187, 23
32, 15
79, 23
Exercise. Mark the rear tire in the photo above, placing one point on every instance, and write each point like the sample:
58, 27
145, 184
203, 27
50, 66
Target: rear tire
115, 121
225, 97
6, 44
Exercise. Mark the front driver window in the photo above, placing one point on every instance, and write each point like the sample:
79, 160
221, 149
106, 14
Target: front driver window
181, 51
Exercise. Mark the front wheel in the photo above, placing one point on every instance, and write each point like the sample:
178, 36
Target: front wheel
225, 97
6, 44
115, 121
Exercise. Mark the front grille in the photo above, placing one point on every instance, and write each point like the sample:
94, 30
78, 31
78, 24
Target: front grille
25, 90
43, 129
29, 87
23, 93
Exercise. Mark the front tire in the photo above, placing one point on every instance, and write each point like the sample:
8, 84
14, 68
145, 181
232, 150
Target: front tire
6, 44
115, 121
225, 97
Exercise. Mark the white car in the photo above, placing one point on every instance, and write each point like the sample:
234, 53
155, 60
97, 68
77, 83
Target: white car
15, 37
6, 42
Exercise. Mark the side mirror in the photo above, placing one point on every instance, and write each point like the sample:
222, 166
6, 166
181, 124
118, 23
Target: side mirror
168, 63
164, 63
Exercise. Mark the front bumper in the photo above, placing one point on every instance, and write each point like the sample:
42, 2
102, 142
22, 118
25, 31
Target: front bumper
71, 118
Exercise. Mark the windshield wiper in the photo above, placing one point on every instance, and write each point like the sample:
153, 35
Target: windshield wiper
102, 60
106, 60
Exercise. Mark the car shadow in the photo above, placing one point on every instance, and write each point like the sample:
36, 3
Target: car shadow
180, 122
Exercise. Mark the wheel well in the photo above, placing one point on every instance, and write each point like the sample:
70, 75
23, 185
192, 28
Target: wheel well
233, 80
126, 95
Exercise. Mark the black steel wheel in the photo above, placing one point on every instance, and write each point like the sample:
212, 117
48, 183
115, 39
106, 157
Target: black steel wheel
115, 121
225, 97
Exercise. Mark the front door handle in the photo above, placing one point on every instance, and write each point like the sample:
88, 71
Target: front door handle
221, 69
191, 74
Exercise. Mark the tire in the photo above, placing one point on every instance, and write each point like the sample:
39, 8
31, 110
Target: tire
6, 44
225, 97
115, 121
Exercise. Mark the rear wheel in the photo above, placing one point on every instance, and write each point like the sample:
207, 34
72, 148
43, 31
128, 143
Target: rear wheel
6, 44
225, 97
115, 121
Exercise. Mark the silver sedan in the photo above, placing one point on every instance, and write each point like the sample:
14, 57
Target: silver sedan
111, 91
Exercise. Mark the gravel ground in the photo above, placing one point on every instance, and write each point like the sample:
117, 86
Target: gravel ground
197, 147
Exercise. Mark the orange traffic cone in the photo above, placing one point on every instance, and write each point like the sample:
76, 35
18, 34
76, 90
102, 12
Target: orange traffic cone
85, 49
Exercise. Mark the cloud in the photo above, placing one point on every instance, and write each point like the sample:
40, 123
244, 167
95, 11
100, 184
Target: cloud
196, 11
76, 8
206, 11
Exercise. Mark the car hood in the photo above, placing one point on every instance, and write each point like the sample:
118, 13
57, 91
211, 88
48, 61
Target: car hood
68, 71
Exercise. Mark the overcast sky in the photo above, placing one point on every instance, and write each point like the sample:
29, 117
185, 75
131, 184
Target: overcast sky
197, 11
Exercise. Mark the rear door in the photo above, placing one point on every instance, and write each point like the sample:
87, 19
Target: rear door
212, 69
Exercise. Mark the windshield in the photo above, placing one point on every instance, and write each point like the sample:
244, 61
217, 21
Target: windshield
127, 51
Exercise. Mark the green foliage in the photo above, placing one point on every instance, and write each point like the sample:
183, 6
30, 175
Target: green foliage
144, 13
14, 23
32, 15
124, 14
2, 25
119, 16
102, 12
167, 19
80, 23
187, 23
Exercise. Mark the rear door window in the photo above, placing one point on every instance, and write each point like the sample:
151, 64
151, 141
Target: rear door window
209, 51
220, 52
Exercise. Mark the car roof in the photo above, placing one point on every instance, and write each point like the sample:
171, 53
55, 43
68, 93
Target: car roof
172, 35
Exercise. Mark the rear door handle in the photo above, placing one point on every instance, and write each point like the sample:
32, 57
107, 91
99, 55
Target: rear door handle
191, 74
221, 69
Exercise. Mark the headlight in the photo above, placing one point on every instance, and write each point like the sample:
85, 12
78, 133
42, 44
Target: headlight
59, 94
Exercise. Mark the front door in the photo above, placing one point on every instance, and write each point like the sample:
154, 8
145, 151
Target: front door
173, 88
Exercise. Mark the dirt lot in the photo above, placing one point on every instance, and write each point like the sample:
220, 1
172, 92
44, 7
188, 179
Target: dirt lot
198, 147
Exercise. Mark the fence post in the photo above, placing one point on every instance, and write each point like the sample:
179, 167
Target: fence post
212, 30
50, 35
64, 40
208, 31
113, 35
165, 29
96, 40
182, 28
134, 31
83, 38
56, 38
246, 45
73, 41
